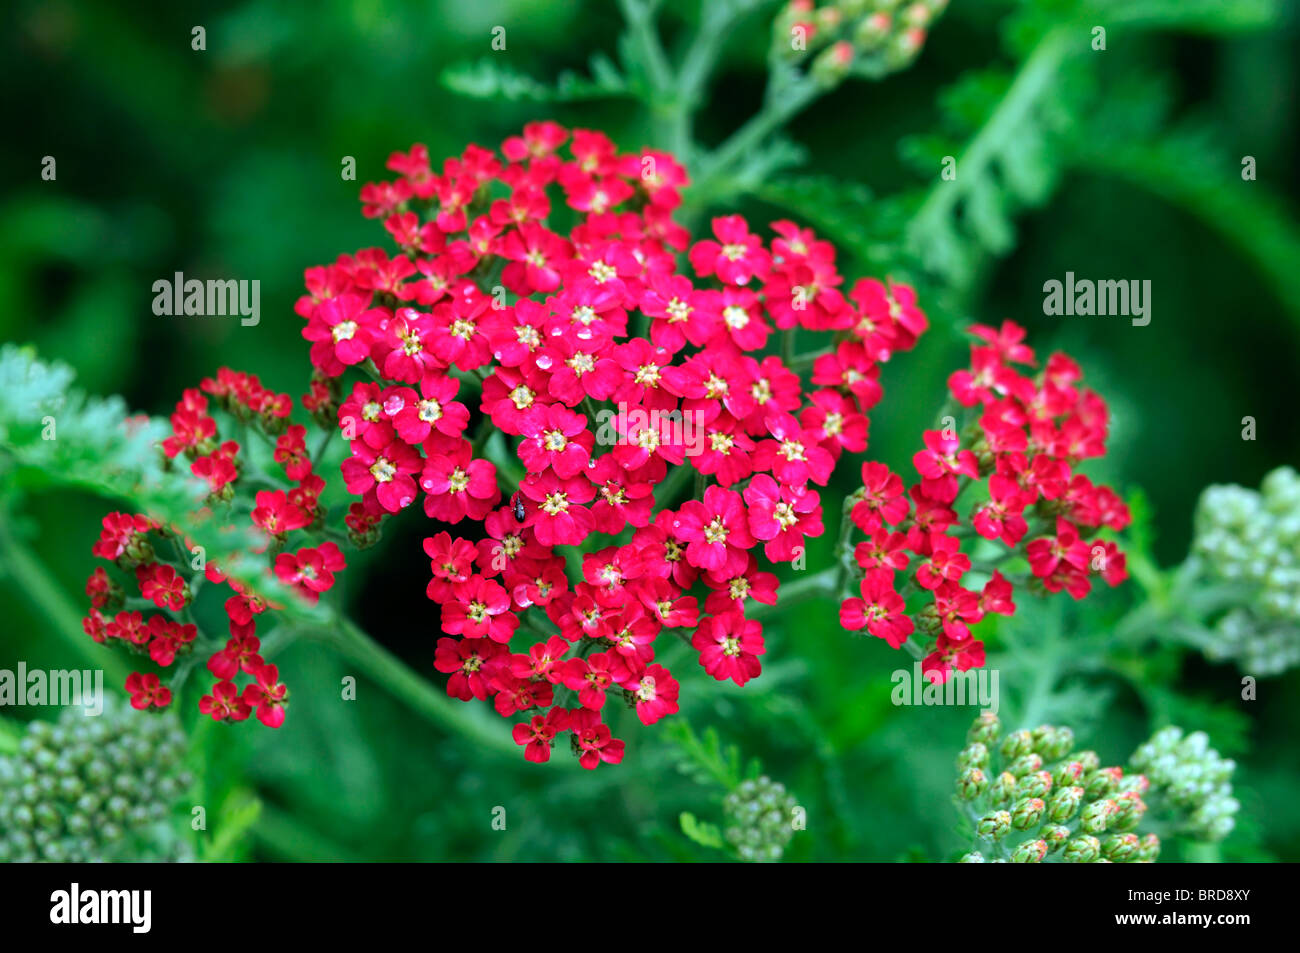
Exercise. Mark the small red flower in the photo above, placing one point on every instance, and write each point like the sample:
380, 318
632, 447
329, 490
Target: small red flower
147, 692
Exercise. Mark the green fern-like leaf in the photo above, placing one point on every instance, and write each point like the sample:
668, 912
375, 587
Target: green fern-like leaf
842, 211
54, 435
705, 759
703, 833
488, 79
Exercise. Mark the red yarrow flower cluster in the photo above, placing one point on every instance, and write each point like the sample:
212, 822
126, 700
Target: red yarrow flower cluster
167, 568
541, 394
1018, 456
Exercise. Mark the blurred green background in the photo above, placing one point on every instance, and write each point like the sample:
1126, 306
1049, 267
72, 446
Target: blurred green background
226, 162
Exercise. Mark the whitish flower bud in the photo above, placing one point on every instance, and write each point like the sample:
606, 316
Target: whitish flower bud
1189, 777
74, 790
974, 857
759, 824
1252, 538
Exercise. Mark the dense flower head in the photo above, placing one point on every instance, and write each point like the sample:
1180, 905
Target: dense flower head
547, 364
160, 562
1250, 539
759, 825
94, 787
1031, 797
1010, 441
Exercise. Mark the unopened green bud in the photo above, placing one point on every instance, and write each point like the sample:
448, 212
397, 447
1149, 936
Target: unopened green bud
974, 755
1067, 774
1003, 788
974, 857
972, 783
985, 730
1088, 759
1120, 848
1017, 744
1034, 784
1082, 850
994, 825
1025, 765
872, 31
1096, 816
1057, 745
1056, 836
832, 64
1134, 784
1129, 812
1029, 852
1027, 813
1149, 849
917, 14
1064, 803
1102, 783
903, 47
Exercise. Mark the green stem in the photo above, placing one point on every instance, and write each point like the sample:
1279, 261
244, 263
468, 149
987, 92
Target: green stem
823, 584
287, 837
774, 114
390, 672
640, 21
40, 588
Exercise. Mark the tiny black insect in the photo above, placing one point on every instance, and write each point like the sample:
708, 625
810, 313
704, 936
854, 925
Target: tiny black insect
519, 507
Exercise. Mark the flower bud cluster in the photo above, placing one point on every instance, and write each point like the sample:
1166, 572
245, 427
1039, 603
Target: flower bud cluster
870, 37
1031, 798
1253, 537
759, 819
1192, 778
85, 789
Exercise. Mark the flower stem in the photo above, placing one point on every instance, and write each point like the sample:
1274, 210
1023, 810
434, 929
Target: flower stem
384, 668
822, 584
29, 575
776, 112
